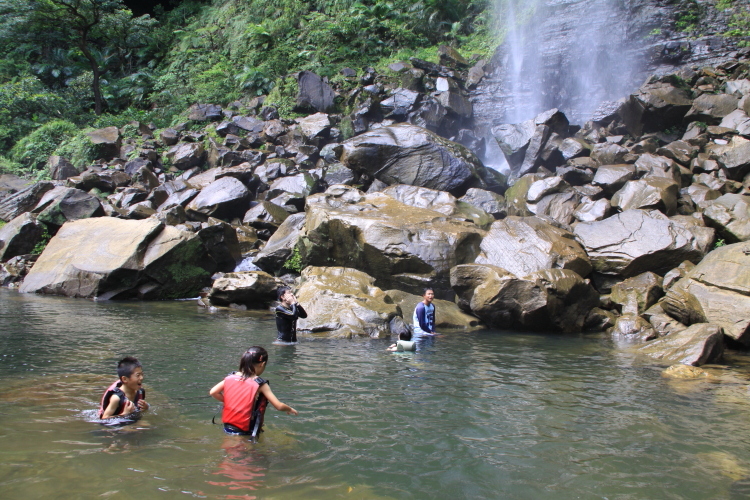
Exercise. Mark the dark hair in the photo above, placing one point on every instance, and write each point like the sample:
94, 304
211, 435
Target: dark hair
428, 289
126, 366
281, 291
405, 335
253, 356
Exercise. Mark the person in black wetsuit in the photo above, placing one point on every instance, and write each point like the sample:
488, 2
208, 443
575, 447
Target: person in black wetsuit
287, 313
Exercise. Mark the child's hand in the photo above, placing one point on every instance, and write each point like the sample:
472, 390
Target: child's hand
129, 408
291, 411
143, 405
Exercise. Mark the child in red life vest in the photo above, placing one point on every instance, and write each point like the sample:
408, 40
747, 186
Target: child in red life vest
245, 395
126, 395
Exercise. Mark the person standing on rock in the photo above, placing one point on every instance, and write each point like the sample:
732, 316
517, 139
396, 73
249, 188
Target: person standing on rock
287, 313
424, 314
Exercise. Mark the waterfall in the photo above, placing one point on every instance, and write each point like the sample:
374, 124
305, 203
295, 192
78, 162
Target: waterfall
566, 54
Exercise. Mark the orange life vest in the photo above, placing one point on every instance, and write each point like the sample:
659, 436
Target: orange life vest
244, 405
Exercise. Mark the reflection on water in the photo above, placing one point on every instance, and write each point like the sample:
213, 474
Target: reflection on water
480, 415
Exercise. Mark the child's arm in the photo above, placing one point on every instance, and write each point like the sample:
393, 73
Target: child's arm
217, 391
392, 347
265, 389
114, 402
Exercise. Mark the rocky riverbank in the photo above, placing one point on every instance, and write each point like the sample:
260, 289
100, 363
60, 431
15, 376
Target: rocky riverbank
636, 222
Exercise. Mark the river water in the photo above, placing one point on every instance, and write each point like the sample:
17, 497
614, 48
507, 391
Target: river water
470, 415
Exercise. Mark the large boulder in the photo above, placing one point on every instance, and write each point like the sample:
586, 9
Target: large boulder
717, 290
20, 236
637, 294
13, 205
314, 93
551, 299
187, 155
253, 289
650, 193
492, 203
697, 345
60, 168
711, 108
730, 216
407, 154
448, 316
400, 246
62, 204
221, 243
636, 241
108, 258
343, 302
106, 142
224, 198
280, 246
523, 143
523, 245
439, 201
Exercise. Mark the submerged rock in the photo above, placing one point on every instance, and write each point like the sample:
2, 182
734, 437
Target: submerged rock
254, 289
700, 344
717, 291
550, 299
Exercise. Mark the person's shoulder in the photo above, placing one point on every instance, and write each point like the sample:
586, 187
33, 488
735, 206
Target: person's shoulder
420, 305
260, 381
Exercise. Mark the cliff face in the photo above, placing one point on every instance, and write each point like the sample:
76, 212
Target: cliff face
574, 54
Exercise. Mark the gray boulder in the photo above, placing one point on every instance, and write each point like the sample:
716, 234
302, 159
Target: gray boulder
633, 328
439, 201
523, 245
636, 241
730, 216
492, 203
106, 142
613, 177
344, 302
224, 198
20, 236
220, 241
400, 246
406, 154
715, 291
698, 345
187, 155
253, 289
400, 103
62, 204
109, 258
13, 205
638, 293
314, 93
265, 215
60, 168
280, 246
650, 193
205, 112
551, 299
711, 108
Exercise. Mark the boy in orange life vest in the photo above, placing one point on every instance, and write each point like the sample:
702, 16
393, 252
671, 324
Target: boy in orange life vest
126, 395
245, 395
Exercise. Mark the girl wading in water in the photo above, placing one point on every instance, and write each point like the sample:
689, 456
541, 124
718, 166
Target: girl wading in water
245, 396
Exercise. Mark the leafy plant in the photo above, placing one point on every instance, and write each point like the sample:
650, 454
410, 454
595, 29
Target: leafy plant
43, 240
719, 243
294, 262
33, 150
284, 97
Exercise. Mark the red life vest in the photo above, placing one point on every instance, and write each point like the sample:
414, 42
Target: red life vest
244, 405
115, 389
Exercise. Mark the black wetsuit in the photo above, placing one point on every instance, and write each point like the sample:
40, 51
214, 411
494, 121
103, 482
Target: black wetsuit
286, 322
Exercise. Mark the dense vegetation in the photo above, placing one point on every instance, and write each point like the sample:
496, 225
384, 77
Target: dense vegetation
70, 64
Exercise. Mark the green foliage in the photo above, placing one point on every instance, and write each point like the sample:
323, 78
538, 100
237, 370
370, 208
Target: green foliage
284, 97
42, 244
688, 16
78, 150
719, 243
294, 262
2, 223
33, 150
23, 104
739, 24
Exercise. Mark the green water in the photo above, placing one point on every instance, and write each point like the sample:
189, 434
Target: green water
470, 415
